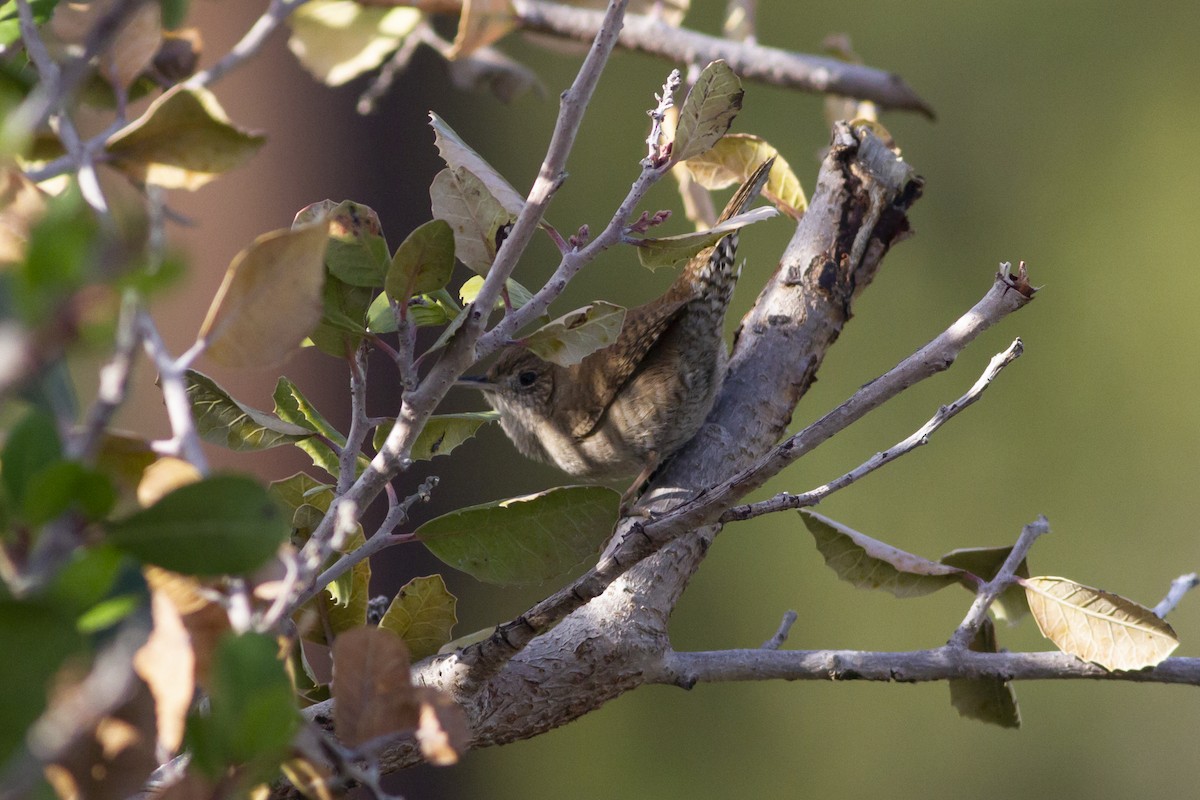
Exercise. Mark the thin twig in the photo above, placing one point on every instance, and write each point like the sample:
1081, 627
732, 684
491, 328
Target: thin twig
250, 43
786, 501
781, 635
986, 594
185, 439
1179, 587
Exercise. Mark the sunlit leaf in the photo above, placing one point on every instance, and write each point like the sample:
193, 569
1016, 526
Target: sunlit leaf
708, 111
479, 220
422, 614
574, 336
270, 298
293, 407
163, 477
985, 562
1098, 626
667, 251
182, 141
442, 433
422, 263
371, 686
524, 539
459, 155
21, 205
223, 421
870, 564
518, 295
731, 161
442, 732
989, 700
338, 40
481, 23
167, 663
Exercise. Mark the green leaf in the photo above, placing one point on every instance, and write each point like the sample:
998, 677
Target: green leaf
10, 26
271, 298
182, 141
357, 254
305, 498
986, 699
64, 485
38, 639
667, 251
575, 336
338, 40
870, 564
343, 319
174, 13
985, 562
422, 613
708, 111
478, 219
323, 457
459, 155
423, 262
423, 311
225, 524
252, 716
221, 420
292, 406
442, 433
32, 446
524, 539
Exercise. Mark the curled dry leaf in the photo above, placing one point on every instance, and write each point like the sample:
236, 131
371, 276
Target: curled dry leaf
270, 298
667, 251
1098, 626
574, 336
870, 564
732, 160
458, 154
167, 664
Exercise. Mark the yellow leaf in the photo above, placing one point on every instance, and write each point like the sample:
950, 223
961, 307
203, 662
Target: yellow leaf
1098, 626
423, 614
482, 22
707, 111
270, 298
338, 40
732, 159
182, 141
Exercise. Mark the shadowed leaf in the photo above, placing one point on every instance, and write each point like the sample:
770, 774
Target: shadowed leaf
1098, 626
442, 433
422, 614
371, 686
423, 262
984, 562
460, 198
871, 564
524, 539
574, 336
270, 298
223, 421
459, 155
182, 141
708, 111
986, 699
338, 40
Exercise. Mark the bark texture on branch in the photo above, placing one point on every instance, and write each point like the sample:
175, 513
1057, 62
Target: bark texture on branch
608, 644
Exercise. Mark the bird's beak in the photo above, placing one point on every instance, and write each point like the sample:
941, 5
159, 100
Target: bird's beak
477, 382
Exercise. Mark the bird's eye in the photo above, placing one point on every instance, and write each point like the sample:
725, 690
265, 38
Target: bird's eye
527, 378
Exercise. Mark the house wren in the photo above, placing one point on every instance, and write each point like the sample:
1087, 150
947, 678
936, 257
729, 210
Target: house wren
627, 406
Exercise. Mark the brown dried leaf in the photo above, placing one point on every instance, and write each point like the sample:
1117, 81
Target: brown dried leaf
372, 686
168, 666
21, 205
442, 732
735, 157
1098, 626
134, 46
205, 621
482, 22
871, 564
986, 699
270, 298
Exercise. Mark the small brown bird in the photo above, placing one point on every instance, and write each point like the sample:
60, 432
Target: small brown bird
623, 409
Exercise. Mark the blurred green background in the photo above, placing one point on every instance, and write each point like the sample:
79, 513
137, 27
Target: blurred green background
1066, 136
